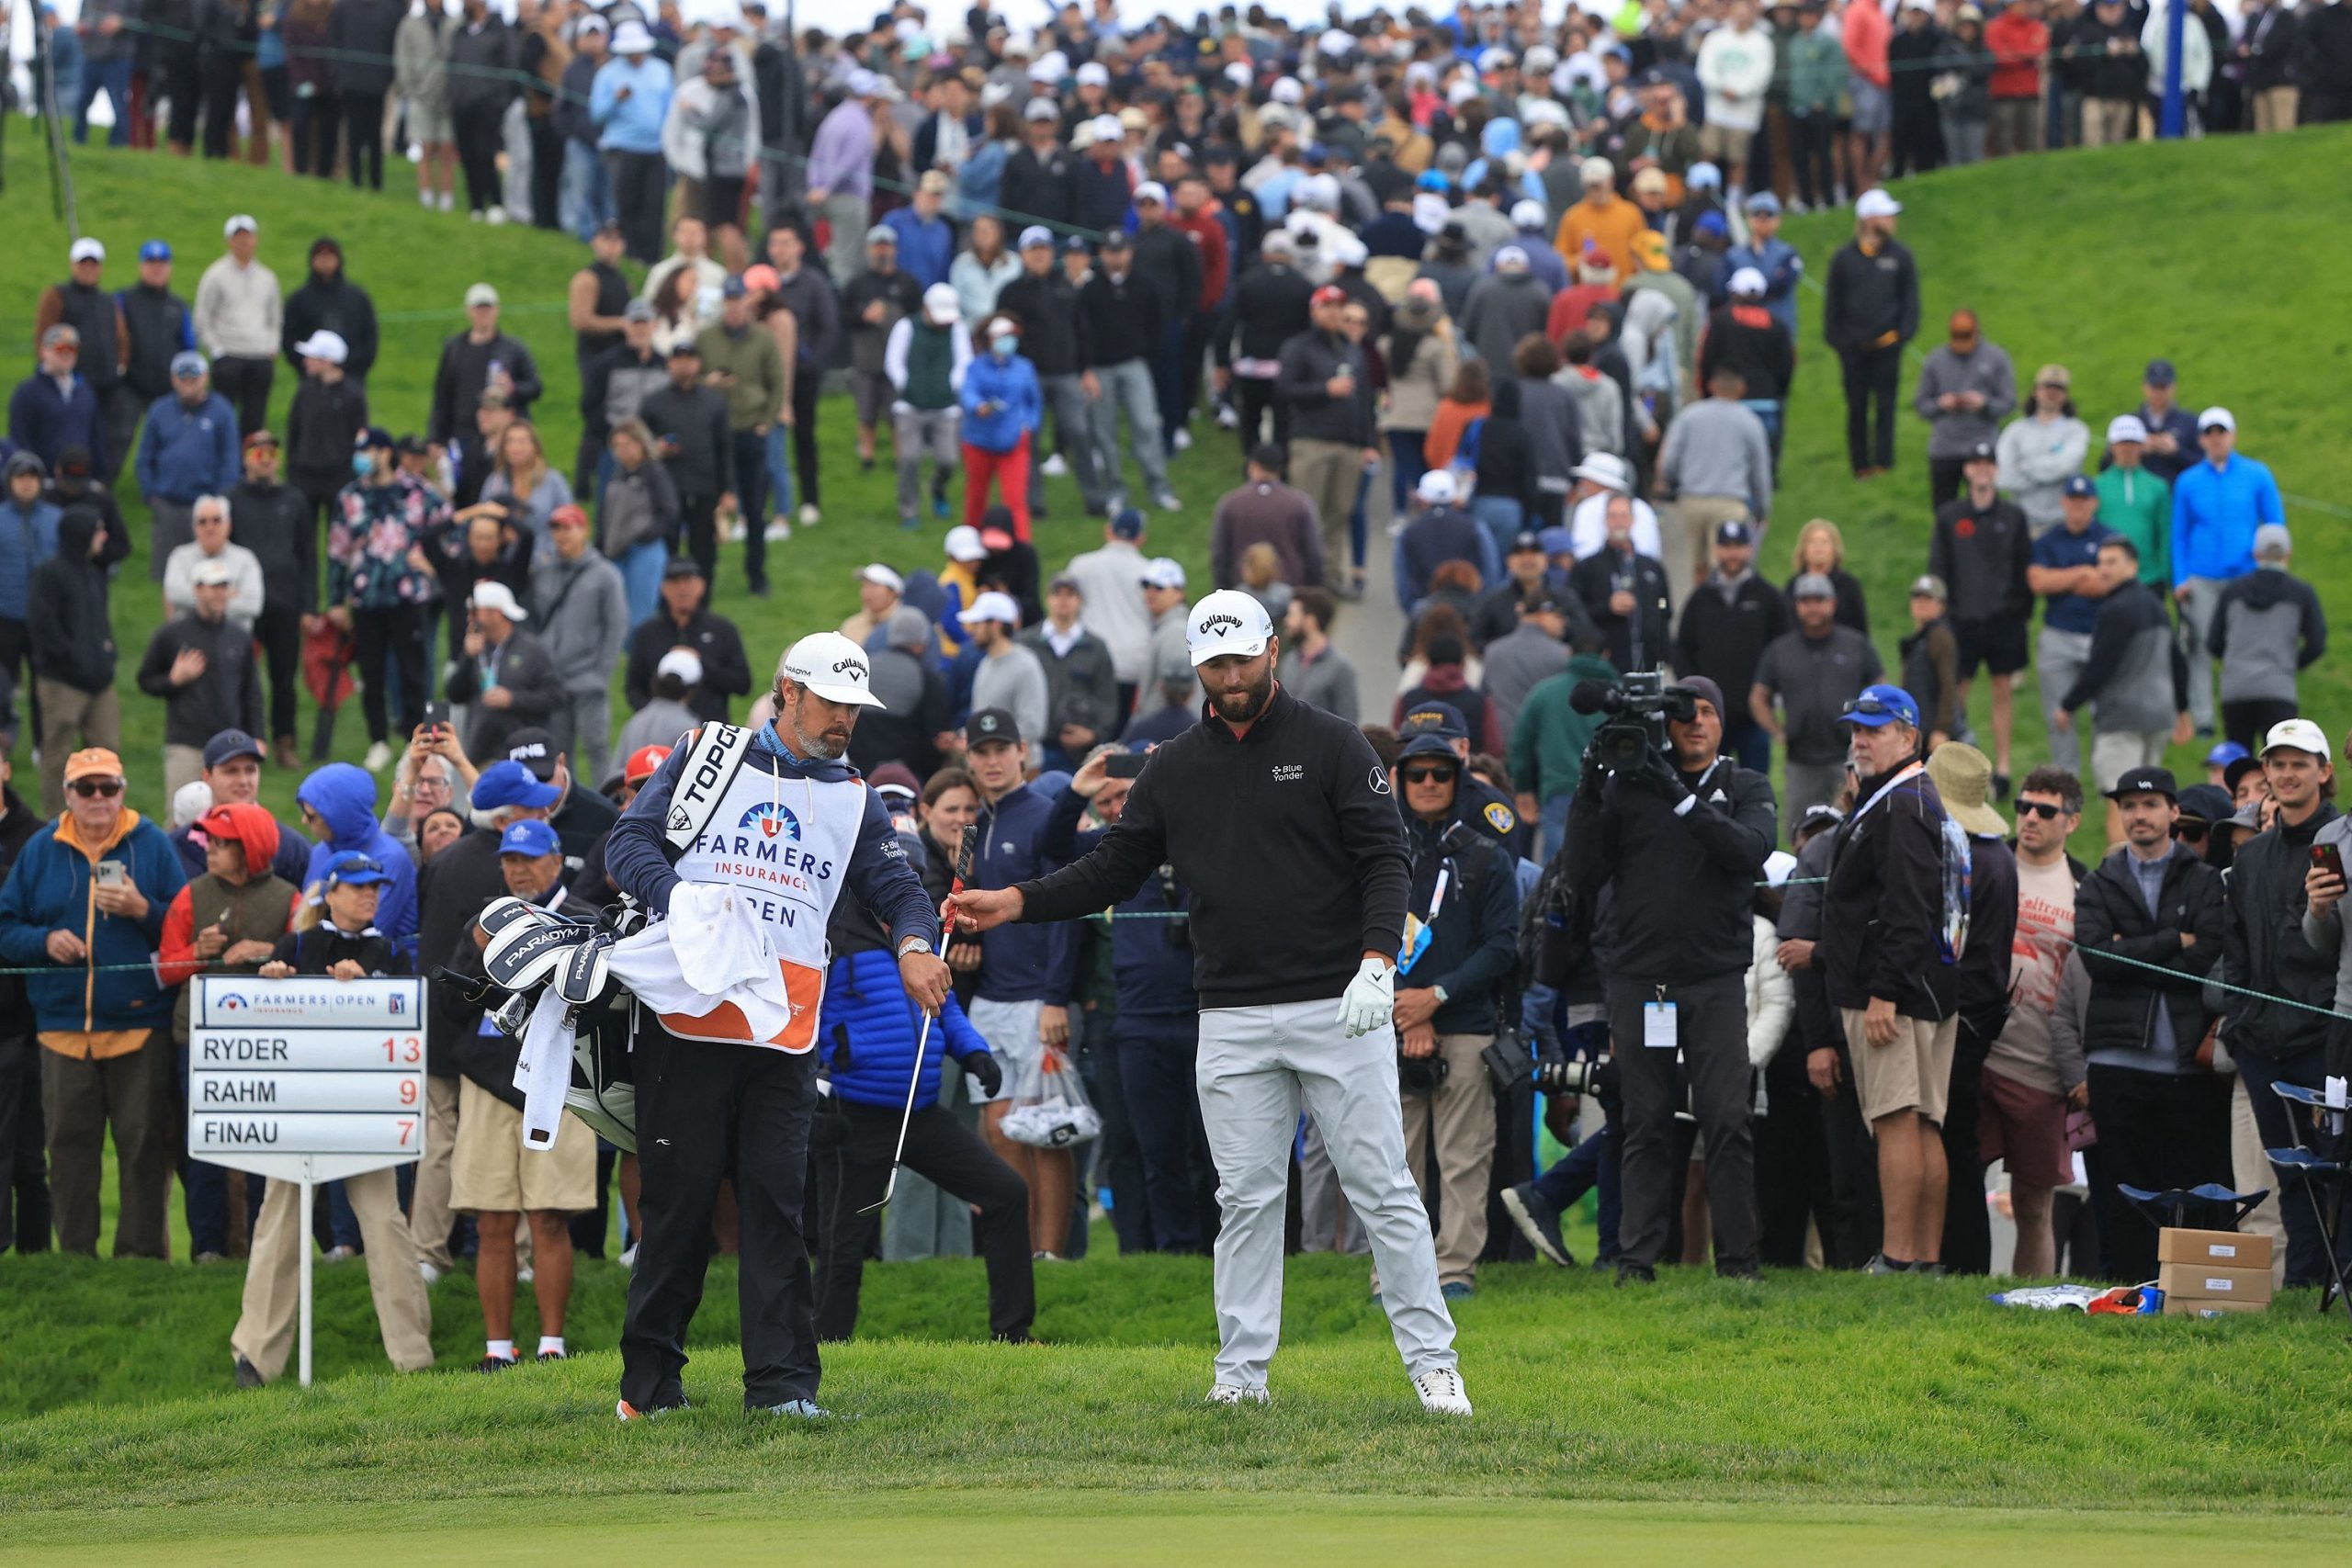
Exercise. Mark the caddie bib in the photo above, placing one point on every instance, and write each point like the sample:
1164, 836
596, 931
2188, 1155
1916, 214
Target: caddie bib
785, 842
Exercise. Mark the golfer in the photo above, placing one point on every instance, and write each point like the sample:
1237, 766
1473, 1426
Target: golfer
1280, 819
787, 824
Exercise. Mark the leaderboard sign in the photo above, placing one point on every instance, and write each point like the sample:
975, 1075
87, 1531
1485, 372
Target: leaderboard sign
307, 1078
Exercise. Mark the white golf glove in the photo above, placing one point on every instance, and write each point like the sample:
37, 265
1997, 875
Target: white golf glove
1369, 999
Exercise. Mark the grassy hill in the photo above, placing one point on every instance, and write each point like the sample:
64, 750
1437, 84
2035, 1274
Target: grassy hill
2213, 254
417, 267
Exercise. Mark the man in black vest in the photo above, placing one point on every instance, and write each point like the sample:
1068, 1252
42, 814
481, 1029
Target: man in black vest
157, 324
82, 304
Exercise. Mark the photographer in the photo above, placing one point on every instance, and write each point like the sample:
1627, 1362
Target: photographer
1691, 830
1460, 940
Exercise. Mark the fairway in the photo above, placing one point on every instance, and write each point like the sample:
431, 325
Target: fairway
1042, 1528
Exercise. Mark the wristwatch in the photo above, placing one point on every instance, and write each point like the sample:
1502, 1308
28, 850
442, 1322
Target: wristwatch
914, 944
1439, 992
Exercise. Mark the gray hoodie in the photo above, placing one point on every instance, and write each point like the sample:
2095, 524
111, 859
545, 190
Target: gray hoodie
580, 609
1987, 370
1503, 307
2268, 626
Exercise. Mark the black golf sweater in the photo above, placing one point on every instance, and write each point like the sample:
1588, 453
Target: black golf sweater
1289, 839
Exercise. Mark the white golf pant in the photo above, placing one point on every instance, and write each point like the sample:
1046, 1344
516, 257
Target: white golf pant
1257, 1066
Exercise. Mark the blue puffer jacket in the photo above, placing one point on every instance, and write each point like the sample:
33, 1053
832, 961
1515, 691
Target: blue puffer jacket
50, 889
344, 798
1009, 390
867, 1035
1022, 962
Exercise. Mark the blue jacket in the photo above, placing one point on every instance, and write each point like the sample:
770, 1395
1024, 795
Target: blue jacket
2214, 514
1436, 536
1020, 403
925, 249
45, 422
637, 857
345, 798
1782, 266
1153, 973
28, 537
634, 124
188, 452
867, 1030
1020, 963
50, 888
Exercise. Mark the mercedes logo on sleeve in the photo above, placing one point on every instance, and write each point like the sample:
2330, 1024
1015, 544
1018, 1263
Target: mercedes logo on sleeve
1379, 780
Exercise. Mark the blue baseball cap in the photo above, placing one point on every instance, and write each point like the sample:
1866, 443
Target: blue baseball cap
355, 868
2160, 373
1882, 704
2080, 485
1432, 180
155, 250
1128, 523
530, 837
1766, 202
509, 783
1428, 743
2222, 755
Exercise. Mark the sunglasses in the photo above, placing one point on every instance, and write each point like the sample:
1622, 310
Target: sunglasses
2189, 832
103, 788
2041, 809
1873, 707
1428, 775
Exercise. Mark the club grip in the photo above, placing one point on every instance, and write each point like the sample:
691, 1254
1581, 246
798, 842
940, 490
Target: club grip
965, 849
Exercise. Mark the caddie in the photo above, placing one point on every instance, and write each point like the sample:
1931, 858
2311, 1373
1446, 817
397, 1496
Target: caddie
776, 815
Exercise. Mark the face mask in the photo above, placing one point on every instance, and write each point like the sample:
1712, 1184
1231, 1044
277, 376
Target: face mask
1003, 348
363, 463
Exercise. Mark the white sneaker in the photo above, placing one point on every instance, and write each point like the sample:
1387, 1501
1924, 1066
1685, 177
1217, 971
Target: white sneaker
1233, 1393
777, 530
432, 1275
628, 1256
1167, 501
733, 534
473, 215
1229, 417
494, 217
379, 756
447, 201
1054, 467
810, 515
424, 199
523, 1275
1442, 1391
1183, 442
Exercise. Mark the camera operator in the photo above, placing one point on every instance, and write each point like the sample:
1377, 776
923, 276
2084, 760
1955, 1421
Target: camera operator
1690, 831
1460, 940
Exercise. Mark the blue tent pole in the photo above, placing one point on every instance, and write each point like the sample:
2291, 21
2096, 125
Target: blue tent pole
2173, 120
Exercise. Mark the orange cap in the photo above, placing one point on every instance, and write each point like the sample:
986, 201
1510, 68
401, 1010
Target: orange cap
95, 762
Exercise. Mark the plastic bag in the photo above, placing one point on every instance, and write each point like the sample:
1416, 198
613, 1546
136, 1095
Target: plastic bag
1049, 1109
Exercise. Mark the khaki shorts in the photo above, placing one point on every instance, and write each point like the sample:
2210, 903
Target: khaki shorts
2115, 754
491, 1173
1914, 1072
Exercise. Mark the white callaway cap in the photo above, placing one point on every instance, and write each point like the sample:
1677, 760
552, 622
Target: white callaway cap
1228, 621
833, 667
1876, 203
499, 597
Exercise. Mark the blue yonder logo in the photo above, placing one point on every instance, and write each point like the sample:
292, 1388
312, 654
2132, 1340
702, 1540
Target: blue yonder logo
774, 821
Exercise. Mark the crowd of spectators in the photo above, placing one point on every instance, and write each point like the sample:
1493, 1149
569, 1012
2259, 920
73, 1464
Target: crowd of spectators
1534, 274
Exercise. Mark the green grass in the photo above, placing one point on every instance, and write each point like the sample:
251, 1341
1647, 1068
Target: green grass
1810, 1392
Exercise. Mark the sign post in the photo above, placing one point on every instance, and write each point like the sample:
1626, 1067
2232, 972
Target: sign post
306, 1080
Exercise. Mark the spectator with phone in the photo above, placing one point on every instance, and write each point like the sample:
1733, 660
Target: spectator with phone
435, 775
227, 921
336, 937
503, 672
84, 903
2281, 937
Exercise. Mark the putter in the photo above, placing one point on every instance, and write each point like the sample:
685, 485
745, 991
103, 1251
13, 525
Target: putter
964, 850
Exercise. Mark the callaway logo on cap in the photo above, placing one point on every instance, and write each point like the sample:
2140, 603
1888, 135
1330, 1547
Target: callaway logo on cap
1227, 622
832, 666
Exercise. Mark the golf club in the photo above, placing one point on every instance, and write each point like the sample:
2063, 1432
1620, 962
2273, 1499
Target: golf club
965, 849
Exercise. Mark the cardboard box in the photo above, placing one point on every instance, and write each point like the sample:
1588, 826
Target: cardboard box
2196, 1307
2224, 1249
2203, 1281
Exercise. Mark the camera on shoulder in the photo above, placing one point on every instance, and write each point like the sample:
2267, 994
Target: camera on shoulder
1639, 707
